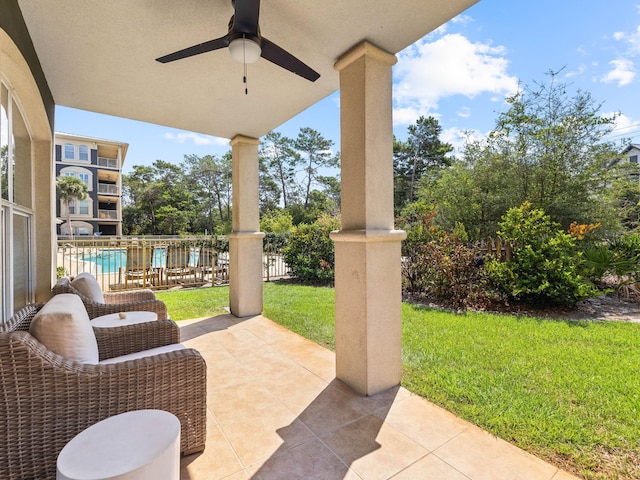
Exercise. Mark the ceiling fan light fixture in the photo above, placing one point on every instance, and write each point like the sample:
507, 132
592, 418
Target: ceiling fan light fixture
244, 50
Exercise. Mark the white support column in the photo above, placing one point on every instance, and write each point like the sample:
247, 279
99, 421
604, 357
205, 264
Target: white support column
245, 242
367, 249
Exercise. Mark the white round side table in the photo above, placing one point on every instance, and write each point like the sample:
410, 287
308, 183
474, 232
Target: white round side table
123, 318
136, 445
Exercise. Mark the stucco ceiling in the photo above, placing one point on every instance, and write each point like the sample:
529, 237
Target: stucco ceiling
100, 55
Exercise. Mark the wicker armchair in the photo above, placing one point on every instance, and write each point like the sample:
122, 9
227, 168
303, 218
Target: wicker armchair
47, 399
134, 300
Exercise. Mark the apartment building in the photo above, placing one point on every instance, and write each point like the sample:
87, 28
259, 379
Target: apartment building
98, 163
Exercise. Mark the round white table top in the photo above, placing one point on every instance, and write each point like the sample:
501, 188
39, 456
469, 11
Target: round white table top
119, 445
123, 318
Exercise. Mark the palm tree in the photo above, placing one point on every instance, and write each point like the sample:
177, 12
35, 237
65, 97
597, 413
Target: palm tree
70, 188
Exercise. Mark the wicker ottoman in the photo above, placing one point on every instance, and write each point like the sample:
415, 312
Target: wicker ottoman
137, 445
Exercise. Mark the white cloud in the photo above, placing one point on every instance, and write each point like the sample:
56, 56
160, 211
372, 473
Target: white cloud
196, 138
405, 115
464, 112
428, 71
574, 73
459, 138
622, 72
631, 39
624, 125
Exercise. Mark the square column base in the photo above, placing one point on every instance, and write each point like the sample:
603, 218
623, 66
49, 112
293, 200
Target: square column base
245, 273
368, 309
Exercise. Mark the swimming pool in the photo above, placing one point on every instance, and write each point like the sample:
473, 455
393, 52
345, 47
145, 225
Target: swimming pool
110, 260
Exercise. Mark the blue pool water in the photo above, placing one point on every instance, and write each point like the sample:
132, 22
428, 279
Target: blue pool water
110, 260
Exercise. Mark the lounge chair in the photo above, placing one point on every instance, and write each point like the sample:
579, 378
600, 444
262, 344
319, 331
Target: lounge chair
139, 267
179, 265
49, 398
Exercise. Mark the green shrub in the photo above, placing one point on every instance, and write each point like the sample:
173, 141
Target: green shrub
310, 253
545, 265
616, 264
439, 264
417, 220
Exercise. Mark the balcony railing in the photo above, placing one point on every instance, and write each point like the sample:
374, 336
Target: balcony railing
125, 263
108, 162
108, 188
108, 214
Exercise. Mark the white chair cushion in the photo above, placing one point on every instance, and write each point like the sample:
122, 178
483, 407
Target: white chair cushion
145, 353
88, 286
62, 325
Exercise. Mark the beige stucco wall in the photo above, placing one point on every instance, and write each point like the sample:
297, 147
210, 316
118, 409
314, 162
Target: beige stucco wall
15, 70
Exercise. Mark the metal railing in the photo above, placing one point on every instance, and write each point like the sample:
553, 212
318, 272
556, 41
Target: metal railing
125, 263
108, 188
108, 162
108, 214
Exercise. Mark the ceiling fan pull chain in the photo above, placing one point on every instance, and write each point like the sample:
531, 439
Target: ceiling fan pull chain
244, 62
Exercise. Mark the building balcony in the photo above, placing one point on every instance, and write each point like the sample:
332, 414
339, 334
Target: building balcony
108, 188
108, 162
107, 214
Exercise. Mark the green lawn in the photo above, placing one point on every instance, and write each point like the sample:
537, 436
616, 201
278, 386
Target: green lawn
195, 302
568, 392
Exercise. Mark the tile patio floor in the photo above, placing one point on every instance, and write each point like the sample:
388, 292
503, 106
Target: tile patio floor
276, 411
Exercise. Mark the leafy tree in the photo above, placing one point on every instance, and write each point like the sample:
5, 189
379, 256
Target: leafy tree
70, 189
276, 221
4, 171
320, 203
624, 194
549, 148
279, 160
210, 183
147, 190
421, 154
171, 221
315, 151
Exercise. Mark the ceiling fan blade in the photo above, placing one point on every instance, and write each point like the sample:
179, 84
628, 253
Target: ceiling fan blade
282, 58
245, 19
209, 46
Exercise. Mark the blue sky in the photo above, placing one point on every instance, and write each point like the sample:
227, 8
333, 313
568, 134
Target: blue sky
460, 74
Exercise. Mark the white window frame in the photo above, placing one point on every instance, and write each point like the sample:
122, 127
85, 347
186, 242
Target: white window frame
80, 153
78, 172
64, 151
77, 206
9, 211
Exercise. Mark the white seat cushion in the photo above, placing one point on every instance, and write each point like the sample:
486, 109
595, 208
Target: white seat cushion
63, 326
145, 353
88, 286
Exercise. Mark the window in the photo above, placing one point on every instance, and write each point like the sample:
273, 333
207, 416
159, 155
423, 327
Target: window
69, 151
633, 158
79, 208
83, 207
4, 139
83, 174
83, 153
16, 203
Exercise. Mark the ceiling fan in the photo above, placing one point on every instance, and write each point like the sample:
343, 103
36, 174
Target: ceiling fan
246, 44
